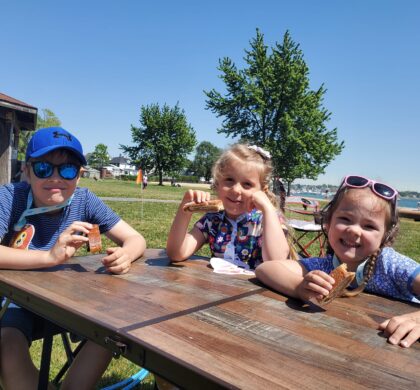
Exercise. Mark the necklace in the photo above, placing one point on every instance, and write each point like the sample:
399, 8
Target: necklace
38, 210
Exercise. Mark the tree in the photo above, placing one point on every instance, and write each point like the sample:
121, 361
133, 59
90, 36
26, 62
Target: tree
269, 103
99, 157
163, 140
206, 155
47, 119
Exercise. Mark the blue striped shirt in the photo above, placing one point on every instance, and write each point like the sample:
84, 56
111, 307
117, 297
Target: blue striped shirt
85, 206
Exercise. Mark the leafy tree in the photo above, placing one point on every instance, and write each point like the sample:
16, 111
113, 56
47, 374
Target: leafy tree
99, 157
269, 103
47, 119
163, 140
206, 155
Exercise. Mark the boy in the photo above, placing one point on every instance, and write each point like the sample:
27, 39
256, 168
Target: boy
54, 215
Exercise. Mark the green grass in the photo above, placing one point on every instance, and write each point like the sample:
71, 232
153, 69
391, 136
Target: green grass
408, 239
126, 189
153, 221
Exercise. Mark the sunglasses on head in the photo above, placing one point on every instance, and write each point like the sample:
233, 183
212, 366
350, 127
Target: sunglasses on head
44, 169
382, 190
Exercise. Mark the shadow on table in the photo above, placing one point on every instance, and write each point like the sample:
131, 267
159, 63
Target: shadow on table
66, 267
165, 262
293, 303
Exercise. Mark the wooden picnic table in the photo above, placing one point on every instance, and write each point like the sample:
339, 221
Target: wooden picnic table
203, 330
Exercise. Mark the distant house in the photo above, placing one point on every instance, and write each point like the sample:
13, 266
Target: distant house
124, 165
91, 173
15, 117
113, 170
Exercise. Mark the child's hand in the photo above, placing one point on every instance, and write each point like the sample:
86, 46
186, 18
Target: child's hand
69, 242
259, 200
315, 284
195, 196
402, 330
117, 261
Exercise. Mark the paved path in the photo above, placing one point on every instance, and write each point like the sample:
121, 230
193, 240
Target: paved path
139, 200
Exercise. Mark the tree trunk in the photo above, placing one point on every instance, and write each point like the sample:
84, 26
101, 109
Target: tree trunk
288, 187
160, 178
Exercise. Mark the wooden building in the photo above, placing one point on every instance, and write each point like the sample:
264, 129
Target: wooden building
15, 117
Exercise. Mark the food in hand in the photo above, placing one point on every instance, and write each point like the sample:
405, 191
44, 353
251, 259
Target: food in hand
342, 279
95, 243
209, 206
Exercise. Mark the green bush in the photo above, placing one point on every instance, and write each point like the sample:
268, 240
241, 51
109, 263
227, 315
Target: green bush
128, 177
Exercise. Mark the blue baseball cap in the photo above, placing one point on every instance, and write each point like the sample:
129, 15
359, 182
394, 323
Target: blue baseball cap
52, 138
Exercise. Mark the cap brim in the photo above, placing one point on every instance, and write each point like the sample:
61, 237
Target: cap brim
48, 149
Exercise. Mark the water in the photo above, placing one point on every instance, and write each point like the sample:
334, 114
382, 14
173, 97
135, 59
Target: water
411, 203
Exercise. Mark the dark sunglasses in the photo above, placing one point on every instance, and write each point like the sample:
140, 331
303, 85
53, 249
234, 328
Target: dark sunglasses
380, 189
44, 169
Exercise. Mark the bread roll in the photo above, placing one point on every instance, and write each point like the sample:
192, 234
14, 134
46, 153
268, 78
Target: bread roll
342, 279
95, 243
210, 206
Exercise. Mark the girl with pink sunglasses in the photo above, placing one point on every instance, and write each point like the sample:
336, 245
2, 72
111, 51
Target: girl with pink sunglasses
361, 223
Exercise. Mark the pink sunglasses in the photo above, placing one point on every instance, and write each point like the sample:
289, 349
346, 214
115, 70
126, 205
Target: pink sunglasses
382, 190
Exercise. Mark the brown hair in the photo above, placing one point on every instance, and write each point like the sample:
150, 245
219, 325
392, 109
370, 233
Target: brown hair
62, 152
391, 229
242, 153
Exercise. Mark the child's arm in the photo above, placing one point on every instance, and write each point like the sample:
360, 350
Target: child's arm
291, 278
274, 245
181, 244
131, 246
66, 246
404, 330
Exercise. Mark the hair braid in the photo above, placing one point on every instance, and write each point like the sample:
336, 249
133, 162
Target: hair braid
367, 274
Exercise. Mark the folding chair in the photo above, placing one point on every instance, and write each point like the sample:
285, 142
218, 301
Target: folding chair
303, 229
47, 334
308, 230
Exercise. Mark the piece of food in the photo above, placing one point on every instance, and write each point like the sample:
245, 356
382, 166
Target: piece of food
342, 279
95, 243
210, 206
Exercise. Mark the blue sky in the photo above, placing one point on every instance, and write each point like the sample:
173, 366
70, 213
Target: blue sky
95, 63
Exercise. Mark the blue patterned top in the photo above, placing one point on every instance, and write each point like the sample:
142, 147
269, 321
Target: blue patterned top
85, 206
238, 241
393, 277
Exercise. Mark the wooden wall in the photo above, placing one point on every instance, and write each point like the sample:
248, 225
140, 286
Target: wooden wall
5, 151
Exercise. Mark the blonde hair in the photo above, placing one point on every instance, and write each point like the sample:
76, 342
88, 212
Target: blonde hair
391, 229
242, 153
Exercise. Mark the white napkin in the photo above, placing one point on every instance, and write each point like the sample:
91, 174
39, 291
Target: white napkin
221, 266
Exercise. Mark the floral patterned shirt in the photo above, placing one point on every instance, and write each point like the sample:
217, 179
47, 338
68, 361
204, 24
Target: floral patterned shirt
237, 241
393, 277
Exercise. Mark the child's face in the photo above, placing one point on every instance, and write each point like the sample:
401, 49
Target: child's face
357, 226
54, 189
235, 187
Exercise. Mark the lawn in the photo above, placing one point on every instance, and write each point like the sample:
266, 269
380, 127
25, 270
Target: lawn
153, 221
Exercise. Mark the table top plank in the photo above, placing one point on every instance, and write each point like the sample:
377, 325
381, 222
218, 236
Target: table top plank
284, 347
206, 330
87, 289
